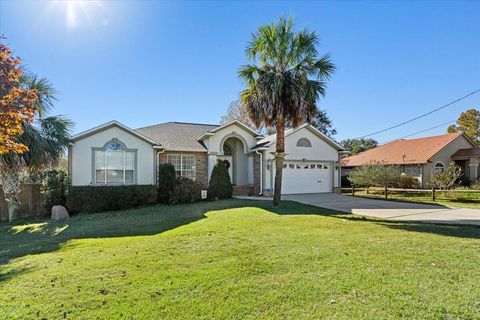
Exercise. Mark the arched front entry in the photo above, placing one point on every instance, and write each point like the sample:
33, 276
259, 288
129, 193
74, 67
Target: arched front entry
233, 152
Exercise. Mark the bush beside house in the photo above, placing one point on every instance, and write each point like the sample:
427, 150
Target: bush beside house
186, 191
55, 188
386, 176
108, 198
166, 182
220, 186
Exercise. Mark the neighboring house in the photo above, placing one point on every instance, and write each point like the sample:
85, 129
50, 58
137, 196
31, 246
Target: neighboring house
422, 157
113, 154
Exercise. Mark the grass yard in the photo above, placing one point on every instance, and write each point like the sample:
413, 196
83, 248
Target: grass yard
465, 200
237, 259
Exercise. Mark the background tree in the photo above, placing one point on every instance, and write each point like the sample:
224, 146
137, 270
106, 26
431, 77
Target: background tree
283, 83
448, 178
17, 103
468, 122
237, 111
358, 145
323, 123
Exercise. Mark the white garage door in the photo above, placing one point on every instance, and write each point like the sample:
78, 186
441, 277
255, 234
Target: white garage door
311, 177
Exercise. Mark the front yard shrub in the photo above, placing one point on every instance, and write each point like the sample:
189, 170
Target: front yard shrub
220, 186
186, 191
166, 182
54, 188
376, 175
109, 198
408, 182
447, 178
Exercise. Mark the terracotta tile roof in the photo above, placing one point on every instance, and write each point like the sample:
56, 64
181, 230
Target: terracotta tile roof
467, 153
398, 152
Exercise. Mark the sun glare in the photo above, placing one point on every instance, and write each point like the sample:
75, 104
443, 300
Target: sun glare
71, 16
79, 12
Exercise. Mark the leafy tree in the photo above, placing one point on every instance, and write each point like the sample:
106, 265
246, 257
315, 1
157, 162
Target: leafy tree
358, 145
468, 122
39, 141
376, 175
323, 123
17, 102
220, 185
448, 178
284, 82
167, 180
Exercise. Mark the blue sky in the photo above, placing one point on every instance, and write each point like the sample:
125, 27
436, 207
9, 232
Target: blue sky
146, 62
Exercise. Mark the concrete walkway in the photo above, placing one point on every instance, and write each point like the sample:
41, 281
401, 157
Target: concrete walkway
387, 210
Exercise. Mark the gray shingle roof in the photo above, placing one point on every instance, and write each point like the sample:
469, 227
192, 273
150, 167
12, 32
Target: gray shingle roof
177, 135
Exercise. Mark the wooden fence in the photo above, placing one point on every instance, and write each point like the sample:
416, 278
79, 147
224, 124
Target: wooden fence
31, 204
432, 192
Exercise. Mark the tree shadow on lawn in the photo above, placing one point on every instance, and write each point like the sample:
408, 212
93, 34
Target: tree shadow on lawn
27, 237
40, 236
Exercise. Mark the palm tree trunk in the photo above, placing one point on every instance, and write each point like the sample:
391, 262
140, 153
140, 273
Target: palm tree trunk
279, 155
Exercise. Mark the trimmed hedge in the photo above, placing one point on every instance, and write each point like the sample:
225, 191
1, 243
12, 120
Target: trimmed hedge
109, 198
186, 191
166, 182
220, 186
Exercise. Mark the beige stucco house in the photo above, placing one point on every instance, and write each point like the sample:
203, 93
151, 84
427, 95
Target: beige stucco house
423, 156
114, 154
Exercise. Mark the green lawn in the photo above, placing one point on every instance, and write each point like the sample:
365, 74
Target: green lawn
465, 200
244, 262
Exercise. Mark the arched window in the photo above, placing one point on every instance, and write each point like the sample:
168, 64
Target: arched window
114, 163
439, 167
304, 142
227, 150
114, 145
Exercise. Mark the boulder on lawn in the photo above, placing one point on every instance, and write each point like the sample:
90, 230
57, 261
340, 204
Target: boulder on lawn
59, 213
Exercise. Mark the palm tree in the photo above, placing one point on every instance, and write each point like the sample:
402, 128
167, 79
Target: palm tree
45, 137
284, 82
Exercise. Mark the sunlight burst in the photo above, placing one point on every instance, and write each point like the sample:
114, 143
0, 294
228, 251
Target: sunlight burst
79, 11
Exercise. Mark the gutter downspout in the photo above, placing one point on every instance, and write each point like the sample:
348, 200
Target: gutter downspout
261, 173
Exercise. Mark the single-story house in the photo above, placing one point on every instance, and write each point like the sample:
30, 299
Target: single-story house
114, 154
422, 157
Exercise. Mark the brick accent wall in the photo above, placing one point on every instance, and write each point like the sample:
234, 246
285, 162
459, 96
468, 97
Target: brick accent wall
256, 174
201, 159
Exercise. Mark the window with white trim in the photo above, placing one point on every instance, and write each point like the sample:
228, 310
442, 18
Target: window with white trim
184, 165
114, 164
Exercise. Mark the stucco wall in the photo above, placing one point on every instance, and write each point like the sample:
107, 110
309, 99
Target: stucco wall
241, 144
320, 151
81, 156
214, 143
443, 156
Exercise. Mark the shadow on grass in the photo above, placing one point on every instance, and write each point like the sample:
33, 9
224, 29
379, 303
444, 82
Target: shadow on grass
32, 237
445, 229
39, 236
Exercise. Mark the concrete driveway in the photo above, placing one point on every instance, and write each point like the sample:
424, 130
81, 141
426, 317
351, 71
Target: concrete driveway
389, 210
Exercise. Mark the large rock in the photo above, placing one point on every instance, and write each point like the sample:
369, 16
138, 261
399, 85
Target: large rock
59, 213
